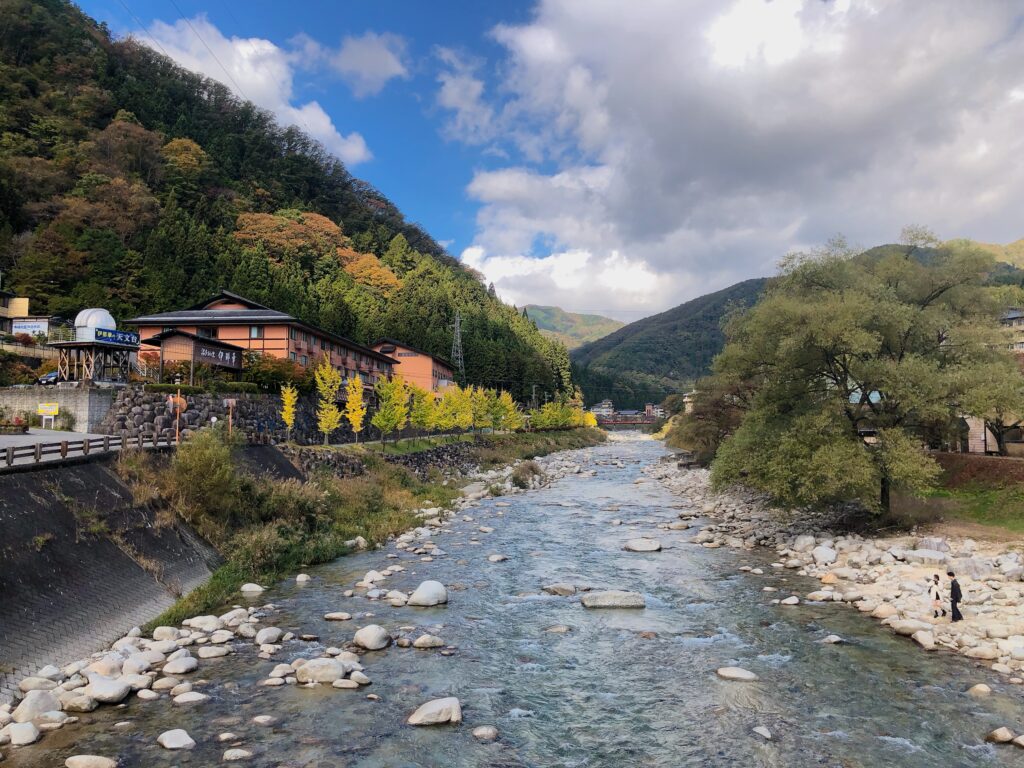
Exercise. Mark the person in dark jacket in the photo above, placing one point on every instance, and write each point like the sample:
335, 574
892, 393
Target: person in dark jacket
955, 596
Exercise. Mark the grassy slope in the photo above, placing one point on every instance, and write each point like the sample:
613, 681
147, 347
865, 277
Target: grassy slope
570, 328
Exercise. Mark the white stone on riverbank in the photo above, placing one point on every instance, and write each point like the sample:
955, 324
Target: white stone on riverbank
89, 761
642, 545
234, 755
437, 712
372, 637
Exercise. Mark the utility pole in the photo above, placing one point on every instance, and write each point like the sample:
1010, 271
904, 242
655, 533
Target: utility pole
457, 361
533, 397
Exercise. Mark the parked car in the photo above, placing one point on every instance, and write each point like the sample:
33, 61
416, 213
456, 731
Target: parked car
47, 379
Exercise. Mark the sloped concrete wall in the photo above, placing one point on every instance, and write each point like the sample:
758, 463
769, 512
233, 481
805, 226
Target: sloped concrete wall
80, 564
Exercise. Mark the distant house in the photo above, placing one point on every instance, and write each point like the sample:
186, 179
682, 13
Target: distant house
654, 411
604, 408
1014, 320
239, 322
421, 368
11, 306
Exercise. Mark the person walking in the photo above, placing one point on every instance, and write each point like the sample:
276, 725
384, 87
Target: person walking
955, 596
935, 592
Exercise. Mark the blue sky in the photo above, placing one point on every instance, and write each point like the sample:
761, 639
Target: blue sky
622, 158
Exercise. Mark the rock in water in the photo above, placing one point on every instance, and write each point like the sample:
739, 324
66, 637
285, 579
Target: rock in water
37, 702
1000, 735
175, 739
372, 637
979, 690
22, 734
824, 555
429, 593
485, 733
251, 589
832, 639
269, 635
642, 545
437, 712
736, 673
763, 732
233, 755
560, 588
321, 671
89, 761
613, 598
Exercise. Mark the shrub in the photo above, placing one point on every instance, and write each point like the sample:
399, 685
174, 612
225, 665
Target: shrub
524, 473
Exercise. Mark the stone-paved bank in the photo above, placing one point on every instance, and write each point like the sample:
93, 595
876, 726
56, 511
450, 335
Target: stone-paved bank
886, 578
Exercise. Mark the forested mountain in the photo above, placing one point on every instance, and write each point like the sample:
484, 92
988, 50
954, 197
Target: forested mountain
647, 360
129, 183
570, 328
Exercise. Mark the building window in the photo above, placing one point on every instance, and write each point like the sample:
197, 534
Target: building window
292, 356
206, 333
255, 331
304, 361
292, 333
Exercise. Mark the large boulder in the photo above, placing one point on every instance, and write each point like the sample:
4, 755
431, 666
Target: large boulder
269, 635
437, 712
934, 543
34, 704
824, 555
322, 671
642, 545
107, 690
737, 674
89, 761
175, 739
180, 666
429, 593
372, 637
613, 598
926, 556
22, 734
803, 544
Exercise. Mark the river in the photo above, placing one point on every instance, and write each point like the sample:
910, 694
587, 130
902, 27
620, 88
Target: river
606, 694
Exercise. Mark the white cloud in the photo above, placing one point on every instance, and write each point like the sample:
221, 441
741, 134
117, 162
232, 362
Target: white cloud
462, 92
257, 70
700, 141
369, 61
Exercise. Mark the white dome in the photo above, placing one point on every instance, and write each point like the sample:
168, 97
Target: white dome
95, 318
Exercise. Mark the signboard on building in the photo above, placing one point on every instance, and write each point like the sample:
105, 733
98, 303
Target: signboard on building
212, 355
31, 326
124, 338
48, 409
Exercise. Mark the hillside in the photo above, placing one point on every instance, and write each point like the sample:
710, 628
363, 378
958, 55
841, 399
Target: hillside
654, 357
1011, 253
130, 183
570, 328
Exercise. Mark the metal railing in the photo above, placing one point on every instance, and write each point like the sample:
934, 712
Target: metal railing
67, 448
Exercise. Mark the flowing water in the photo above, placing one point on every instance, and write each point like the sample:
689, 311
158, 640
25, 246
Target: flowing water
605, 694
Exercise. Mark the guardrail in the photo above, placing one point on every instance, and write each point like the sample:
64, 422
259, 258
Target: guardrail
42, 451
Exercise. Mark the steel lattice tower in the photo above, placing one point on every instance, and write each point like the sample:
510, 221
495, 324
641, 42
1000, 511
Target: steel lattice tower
457, 361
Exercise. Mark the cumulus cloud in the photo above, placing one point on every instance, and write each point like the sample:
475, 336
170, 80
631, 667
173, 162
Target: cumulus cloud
698, 142
369, 61
257, 70
462, 92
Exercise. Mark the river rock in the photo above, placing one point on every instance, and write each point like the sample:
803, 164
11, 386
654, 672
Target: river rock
926, 556
269, 636
251, 589
791, 600
429, 593
191, 697
736, 673
909, 626
437, 712
428, 641
613, 598
337, 616
36, 684
982, 651
832, 640
933, 543
763, 732
560, 588
181, 666
22, 734
642, 545
302, 578
824, 555
372, 637
234, 755
925, 639
979, 690
37, 702
175, 739
165, 633
78, 702
89, 761
321, 671
205, 623
212, 651
1000, 735
485, 733
803, 544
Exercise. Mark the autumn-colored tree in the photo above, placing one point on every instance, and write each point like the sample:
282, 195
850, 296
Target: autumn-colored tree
355, 408
421, 408
185, 157
289, 397
510, 417
368, 270
392, 412
328, 383
479, 407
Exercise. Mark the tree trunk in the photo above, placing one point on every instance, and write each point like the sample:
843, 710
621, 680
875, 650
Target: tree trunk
325, 439
884, 500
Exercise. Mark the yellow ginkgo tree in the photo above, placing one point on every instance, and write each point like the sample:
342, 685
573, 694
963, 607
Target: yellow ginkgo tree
355, 408
289, 397
328, 383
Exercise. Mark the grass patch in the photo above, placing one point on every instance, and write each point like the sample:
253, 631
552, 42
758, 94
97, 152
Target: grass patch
1002, 507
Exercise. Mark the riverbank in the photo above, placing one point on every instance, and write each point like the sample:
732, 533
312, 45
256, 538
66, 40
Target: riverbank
883, 577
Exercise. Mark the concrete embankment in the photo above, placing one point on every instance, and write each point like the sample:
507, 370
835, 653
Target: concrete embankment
81, 563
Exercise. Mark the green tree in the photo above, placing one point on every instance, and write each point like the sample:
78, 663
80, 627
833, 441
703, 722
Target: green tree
995, 393
850, 360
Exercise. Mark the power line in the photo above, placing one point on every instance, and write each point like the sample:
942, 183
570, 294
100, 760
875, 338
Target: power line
142, 27
210, 51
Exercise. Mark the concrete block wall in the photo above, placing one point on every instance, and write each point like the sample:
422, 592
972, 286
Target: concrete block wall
87, 406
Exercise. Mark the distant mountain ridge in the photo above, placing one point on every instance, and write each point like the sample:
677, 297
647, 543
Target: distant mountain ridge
570, 328
647, 360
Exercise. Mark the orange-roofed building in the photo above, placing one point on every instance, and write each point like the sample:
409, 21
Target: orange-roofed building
417, 367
